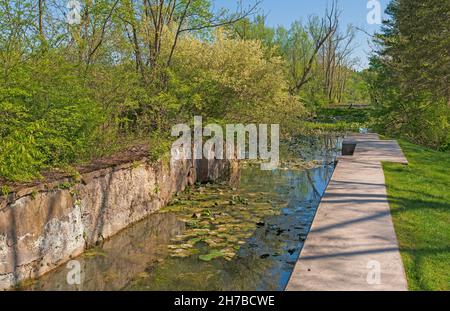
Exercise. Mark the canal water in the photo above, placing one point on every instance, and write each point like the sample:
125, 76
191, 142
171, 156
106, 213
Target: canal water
214, 237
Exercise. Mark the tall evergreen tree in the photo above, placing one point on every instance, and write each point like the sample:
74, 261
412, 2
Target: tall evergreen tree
411, 72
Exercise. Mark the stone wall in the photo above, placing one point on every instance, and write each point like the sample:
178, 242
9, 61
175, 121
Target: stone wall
44, 226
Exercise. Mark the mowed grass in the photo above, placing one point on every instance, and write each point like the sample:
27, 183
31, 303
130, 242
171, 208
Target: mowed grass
419, 196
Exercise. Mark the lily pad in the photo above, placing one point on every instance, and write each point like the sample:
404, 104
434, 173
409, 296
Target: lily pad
212, 255
183, 253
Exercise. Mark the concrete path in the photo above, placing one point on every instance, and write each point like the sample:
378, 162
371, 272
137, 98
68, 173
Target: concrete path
352, 236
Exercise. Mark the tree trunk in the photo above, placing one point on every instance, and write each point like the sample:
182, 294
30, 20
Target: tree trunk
41, 18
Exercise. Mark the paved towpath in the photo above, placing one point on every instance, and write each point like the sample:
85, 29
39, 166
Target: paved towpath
352, 237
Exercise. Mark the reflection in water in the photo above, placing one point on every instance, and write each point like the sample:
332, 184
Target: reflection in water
139, 258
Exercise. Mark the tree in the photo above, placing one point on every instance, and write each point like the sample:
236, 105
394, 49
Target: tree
256, 29
41, 18
318, 31
335, 63
410, 73
153, 24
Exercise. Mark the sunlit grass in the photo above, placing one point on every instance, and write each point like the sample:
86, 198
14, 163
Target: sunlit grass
419, 196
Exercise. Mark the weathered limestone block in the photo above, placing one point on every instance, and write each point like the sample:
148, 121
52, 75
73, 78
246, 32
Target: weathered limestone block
46, 225
37, 233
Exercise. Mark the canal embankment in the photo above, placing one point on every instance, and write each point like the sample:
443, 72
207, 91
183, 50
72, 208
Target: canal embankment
45, 224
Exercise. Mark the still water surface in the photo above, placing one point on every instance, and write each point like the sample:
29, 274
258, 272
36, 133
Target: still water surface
214, 237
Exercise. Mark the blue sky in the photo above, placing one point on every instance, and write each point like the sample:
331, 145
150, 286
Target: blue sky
284, 12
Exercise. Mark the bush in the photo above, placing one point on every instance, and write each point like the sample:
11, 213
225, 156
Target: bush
232, 79
47, 122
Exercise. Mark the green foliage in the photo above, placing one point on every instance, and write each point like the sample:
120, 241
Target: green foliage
66, 185
325, 83
48, 121
255, 30
4, 190
20, 156
313, 128
335, 120
231, 79
409, 77
70, 94
357, 90
331, 115
159, 146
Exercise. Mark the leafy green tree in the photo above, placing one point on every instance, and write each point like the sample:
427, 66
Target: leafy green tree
410, 74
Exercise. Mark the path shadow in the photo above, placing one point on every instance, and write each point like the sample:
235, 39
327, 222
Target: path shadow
351, 222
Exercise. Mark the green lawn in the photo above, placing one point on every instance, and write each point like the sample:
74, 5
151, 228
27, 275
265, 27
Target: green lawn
419, 196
